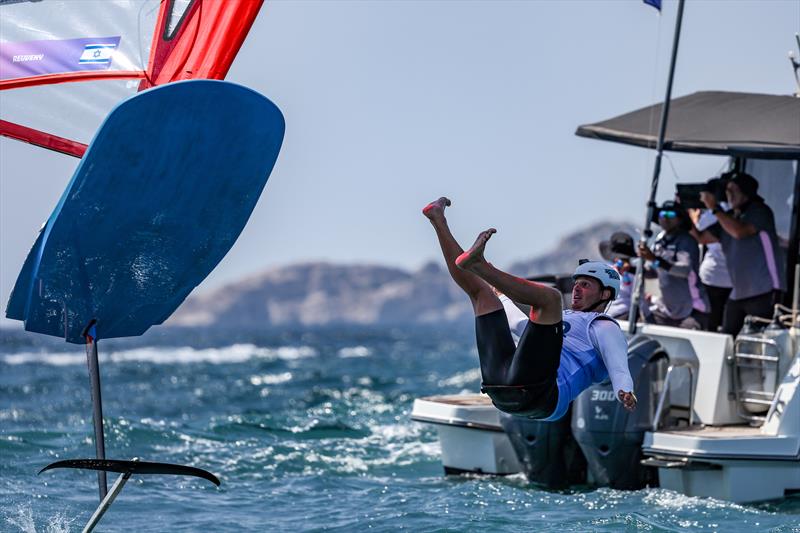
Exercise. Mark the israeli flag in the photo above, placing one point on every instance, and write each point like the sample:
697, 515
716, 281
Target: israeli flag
97, 54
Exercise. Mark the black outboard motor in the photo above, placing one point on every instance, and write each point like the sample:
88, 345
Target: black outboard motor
609, 435
546, 451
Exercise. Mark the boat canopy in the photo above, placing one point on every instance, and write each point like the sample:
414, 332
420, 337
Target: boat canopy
759, 126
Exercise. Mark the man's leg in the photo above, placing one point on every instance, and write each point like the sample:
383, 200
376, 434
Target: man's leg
761, 306
545, 301
717, 296
480, 293
733, 316
495, 344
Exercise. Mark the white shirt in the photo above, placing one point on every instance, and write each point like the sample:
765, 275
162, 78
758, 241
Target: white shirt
713, 268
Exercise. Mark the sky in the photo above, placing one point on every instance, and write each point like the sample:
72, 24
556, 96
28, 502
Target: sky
391, 104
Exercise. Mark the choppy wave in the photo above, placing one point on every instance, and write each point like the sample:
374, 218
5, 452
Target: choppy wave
236, 353
319, 438
354, 351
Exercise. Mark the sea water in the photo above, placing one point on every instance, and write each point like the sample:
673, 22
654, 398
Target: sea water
307, 430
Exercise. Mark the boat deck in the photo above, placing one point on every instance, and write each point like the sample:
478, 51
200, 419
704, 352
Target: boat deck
463, 410
461, 399
717, 432
723, 442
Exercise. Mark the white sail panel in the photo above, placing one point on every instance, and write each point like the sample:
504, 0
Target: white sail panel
176, 14
69, 110
60, 36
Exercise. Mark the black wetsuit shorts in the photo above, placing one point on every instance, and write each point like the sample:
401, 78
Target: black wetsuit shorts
520, 380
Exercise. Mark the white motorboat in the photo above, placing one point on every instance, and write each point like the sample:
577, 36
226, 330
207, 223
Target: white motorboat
736, 443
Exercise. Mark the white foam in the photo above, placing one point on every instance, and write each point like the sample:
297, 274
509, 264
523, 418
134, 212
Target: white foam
461, 379
400, 442
271, 379
236, 353
354, 351
54, 359
21, 517
674, 500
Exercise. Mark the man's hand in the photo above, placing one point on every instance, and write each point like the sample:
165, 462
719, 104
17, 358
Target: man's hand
694, 215
708, 199
646, 253
628, 399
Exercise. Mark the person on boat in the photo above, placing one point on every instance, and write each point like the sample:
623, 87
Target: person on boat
675, 260
560, 353
747, 235
713, 268
619, 250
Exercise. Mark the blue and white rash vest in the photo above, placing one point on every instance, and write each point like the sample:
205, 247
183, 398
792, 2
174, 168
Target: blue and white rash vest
594, 348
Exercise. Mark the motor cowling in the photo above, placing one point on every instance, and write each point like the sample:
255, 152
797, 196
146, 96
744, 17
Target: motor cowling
609, 436
547, 451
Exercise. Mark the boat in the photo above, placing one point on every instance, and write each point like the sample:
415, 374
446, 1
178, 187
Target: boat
718, 416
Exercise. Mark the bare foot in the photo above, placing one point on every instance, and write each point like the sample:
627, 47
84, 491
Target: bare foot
435, 210
474, 255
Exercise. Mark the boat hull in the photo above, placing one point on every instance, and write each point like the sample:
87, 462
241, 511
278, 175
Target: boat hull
470, 434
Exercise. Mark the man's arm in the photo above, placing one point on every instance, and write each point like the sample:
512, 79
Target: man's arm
683, 264
703, 237
702, 220
608, 339
734, 227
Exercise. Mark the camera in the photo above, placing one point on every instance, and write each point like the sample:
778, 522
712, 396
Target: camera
689, 193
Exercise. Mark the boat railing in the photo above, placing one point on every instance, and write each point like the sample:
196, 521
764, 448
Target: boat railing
755, 375
665, 390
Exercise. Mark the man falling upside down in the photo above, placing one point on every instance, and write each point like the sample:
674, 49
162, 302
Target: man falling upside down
560, 353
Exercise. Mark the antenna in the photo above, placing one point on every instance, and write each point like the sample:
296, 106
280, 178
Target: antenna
796, 64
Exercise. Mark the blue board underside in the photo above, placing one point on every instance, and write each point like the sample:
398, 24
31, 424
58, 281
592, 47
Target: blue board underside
160, 196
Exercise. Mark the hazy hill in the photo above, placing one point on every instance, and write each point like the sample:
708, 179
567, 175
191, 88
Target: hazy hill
324, 293
579, 245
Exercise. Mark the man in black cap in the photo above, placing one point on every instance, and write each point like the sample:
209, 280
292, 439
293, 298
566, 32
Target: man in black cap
750, 244
618, 250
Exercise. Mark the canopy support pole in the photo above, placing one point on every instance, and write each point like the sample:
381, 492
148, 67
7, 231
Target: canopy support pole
633, 314
90, 334
793, 252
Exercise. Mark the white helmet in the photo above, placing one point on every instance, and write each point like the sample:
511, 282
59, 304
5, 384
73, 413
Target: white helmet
605, 274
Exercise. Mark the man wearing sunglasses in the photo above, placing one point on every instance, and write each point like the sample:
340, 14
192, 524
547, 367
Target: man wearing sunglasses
750, 244
675, 260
